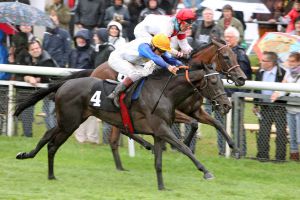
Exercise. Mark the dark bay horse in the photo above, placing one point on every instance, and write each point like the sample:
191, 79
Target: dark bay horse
72, 102
189, 111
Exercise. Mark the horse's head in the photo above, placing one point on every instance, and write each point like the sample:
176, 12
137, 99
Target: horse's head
211, 87
225, 59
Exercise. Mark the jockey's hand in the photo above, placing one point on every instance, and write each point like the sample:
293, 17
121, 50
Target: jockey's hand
172, 69
179, 54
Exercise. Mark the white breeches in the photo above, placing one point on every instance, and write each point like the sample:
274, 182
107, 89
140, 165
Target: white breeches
134, 72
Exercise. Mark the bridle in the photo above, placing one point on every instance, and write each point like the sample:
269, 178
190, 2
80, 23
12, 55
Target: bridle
220, 56
212, 99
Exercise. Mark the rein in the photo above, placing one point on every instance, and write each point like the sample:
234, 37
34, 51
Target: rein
195, 88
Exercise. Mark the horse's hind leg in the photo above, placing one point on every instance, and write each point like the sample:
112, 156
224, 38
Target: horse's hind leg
44, 140
114, 145
53, 146
158, 144
180, 117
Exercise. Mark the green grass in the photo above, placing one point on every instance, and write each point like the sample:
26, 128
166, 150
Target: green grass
86, 171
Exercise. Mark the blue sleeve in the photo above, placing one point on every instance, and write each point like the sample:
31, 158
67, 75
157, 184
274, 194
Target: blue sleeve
146, 52
171, 60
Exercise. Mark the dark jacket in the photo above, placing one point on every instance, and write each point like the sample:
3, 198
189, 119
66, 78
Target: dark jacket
81, 57
57, 43
148, 11
112, 11
20, 43
101, 54
90, 13
44, 60
201, 34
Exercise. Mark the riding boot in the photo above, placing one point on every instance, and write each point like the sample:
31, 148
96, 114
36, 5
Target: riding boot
120, 88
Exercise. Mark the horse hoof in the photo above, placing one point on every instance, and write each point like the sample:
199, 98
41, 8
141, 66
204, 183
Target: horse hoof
51, 178
208, 176
21, 155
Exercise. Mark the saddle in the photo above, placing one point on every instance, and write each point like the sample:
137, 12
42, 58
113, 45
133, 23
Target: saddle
101, 89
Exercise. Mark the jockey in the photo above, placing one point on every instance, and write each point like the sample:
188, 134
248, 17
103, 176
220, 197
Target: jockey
138, 58
171, 26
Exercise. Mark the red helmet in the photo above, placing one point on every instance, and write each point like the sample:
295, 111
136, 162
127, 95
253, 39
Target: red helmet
186, 14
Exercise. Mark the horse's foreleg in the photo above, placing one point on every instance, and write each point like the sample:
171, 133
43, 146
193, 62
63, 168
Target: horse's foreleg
180, 117
114, 145
166, 134
205, 118
158, 144
53, 146
44, 140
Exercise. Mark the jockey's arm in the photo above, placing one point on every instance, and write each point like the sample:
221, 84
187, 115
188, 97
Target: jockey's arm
146, 52
183, 44
171, 60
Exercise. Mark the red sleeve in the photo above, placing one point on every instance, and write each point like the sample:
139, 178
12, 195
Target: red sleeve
181, 36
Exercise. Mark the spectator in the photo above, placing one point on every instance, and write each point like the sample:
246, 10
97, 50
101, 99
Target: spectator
297, 27
268, 20
169, 6
151, 8
59, 9
38, 57
231, 36
18, 54
102, 47
202, 31
293, 112
90, 14
115, 34
3, 57
57, 43
270, 72
20, 44
81, 56
134, 7
292, 16
118, 12
229, 20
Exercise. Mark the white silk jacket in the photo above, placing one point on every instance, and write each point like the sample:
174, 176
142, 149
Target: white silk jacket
154, 24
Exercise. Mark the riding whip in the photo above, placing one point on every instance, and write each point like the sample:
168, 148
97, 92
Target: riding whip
170, 77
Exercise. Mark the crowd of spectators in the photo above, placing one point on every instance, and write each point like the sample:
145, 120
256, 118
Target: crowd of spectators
87, 31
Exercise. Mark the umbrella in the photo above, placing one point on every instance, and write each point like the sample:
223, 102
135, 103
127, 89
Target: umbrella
254, 6
22, 14
7, 28
281, 43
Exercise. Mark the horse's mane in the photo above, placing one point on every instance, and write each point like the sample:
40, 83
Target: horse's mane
201, 47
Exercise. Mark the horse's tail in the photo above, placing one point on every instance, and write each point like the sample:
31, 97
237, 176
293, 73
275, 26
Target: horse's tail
53, 87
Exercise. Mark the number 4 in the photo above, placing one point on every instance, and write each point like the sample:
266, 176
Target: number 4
96, 98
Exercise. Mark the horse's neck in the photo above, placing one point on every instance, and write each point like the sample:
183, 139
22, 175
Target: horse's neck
206, 55
179, 89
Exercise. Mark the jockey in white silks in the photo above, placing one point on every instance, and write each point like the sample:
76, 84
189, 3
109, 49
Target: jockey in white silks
138, 59
171, 26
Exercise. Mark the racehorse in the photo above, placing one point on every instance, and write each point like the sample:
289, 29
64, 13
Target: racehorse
73, 106
189, 111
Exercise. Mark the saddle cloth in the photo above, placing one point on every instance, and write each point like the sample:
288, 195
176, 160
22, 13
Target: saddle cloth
101, 89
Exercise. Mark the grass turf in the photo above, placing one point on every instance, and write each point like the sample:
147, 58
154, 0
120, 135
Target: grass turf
86, 171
